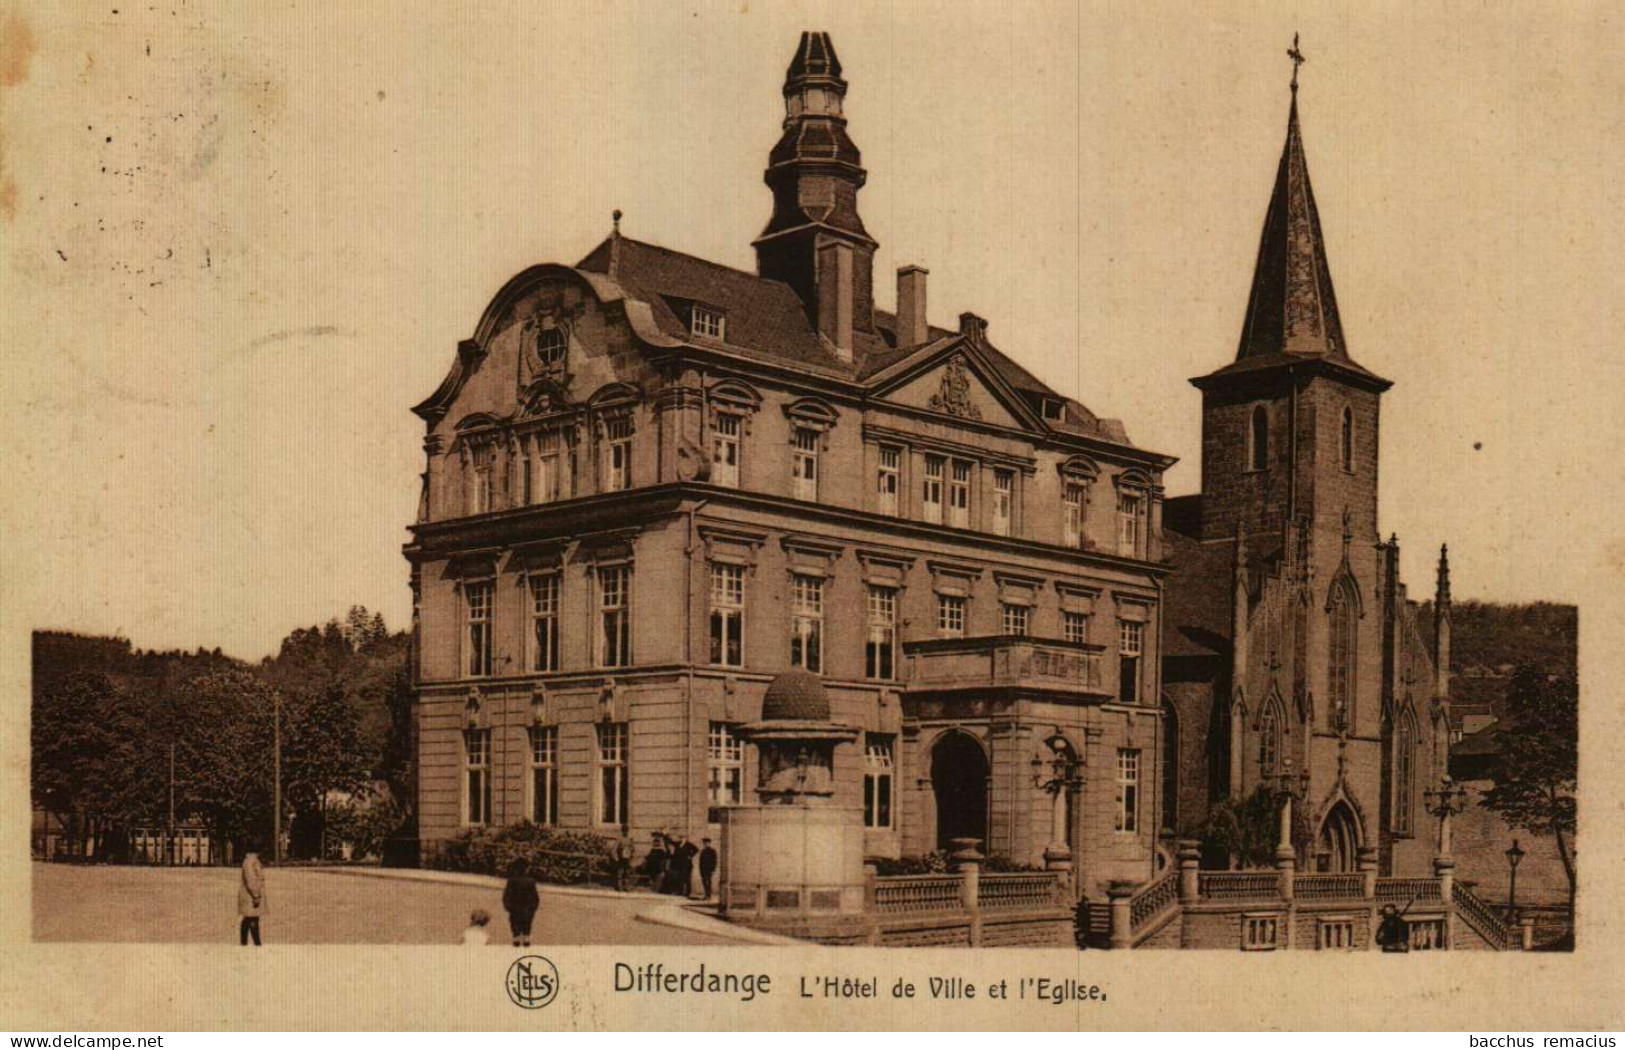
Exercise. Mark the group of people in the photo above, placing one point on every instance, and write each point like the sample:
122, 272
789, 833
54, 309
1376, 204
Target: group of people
520, 900
669, 865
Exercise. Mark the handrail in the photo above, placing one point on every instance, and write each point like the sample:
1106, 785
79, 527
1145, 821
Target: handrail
1341, 886
915, 894
1402, 891
1238, 885
1153, 899
1482, 918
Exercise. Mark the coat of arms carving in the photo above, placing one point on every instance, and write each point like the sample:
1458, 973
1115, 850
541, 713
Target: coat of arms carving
954, 397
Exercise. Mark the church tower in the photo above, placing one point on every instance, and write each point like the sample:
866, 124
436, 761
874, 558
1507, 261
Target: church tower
815, 240
1289, 429
1289, 460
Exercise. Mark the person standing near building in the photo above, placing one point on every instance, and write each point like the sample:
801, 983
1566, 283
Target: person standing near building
521, 900
708, 866
623, 861
250, 897
1391, 933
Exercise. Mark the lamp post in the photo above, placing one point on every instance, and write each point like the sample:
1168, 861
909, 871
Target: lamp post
1444, 802
1290, 787
276, 777
1060, 776
1514, 855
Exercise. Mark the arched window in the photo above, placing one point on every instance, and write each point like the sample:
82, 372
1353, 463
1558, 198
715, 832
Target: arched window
1341, 615
1259, 440
1348, 439
1404, 773
1269, 739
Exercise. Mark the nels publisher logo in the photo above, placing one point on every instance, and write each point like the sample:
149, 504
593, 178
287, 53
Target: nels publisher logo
532, 982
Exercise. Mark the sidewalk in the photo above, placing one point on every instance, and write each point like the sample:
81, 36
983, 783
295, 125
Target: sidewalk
659, 909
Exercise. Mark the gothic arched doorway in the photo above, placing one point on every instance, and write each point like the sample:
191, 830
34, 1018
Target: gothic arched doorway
959, 782
1338, 840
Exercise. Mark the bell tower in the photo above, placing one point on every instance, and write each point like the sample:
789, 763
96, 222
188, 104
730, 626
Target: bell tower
1289, 429
815, 240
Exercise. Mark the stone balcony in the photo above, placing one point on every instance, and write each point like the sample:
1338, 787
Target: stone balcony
1006, 663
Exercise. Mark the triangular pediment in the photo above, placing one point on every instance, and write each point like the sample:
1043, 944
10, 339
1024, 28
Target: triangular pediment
953, 381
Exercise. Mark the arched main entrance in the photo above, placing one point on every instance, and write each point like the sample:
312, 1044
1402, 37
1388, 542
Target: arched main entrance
959, 782
1338, 840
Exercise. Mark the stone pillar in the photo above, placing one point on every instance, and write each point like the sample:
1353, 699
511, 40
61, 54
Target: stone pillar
1057, 856
1190, 862
1445, 868
1119, 894
967, 861
1526, 927
1366, 861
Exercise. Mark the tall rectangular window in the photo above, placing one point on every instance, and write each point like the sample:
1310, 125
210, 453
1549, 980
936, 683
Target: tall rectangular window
708, 322
618, 453
1004, 486
614, 617
725, 762
725, 450
804, 467
880, 652
544, 775
877, 780
542, 473
728, 615
1017, 620
889, 480
612, 779
959, 494
950, 616
1130, 637
807, 623
544, 620
477, 636
1128, 789
481, 486
1075, 499
931, 493
477, 779
1130, 524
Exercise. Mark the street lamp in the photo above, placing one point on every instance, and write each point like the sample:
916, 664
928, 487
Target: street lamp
1444, 802
1064, 777
1514, 855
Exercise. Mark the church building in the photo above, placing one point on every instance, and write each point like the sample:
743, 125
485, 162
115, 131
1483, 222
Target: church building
1293, 658
655, 485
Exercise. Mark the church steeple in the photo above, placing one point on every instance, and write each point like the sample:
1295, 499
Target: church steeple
1292, 308
815, 240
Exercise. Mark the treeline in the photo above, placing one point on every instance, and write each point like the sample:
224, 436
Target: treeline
1498, 638
118, 731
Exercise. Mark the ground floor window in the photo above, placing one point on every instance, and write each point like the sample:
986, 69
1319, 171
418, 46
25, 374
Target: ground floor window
725, 757
1128, 789
544, 775
877, 780
612, 779
477, 781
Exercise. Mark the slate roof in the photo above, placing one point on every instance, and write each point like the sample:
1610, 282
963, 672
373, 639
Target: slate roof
767, 320
1292, 311
1196, 604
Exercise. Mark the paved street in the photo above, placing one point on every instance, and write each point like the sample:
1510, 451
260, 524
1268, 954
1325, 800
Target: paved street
199, 905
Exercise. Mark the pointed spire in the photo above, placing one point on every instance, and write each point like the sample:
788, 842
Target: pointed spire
1292, 308
1442, 592
615, 243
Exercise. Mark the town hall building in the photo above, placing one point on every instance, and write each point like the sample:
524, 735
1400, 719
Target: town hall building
656, 486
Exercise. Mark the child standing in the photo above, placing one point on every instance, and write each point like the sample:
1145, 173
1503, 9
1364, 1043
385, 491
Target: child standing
521, 900
476, 933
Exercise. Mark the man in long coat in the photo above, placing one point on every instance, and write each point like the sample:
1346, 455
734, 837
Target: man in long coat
250, 897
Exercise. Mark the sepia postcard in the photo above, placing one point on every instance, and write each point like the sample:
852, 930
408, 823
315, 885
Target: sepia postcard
746, 515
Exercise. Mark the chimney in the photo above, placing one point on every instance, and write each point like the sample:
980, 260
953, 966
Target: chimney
973, 326
836, 280
912, 327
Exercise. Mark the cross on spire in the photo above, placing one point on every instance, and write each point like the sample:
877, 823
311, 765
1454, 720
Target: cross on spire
1297, 60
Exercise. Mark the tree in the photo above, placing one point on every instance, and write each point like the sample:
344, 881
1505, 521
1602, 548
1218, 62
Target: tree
222, 727
1245, 834
87, 742
323, 754
1535, 775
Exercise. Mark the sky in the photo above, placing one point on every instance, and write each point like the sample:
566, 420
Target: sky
238, 243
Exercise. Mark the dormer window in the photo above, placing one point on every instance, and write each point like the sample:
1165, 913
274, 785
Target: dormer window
1053, 409
551, 349
709, 322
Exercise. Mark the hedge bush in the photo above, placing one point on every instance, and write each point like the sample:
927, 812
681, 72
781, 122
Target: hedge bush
550, 855
936, 863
